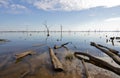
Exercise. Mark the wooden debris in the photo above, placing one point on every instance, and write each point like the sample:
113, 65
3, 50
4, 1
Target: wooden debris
112, 50
63, 45
55, 61
115, 57
18, 56
117, 37
86, 70
98, 62
24, 74
4, 40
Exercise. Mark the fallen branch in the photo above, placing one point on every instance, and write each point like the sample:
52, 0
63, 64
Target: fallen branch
112, 50
95, 61
55, 61
24, 74
63, 45
86, 70
21, 55
115, 57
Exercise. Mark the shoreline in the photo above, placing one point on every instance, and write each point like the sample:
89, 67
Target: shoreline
40, 66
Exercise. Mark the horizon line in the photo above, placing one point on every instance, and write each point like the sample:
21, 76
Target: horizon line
62, 31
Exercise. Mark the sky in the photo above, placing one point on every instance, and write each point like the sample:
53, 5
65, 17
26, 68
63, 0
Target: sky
74, 15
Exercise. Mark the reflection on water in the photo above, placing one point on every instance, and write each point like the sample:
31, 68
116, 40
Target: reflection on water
39, 42
20, 41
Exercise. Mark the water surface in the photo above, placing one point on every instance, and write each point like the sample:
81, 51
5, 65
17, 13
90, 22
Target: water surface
21, 41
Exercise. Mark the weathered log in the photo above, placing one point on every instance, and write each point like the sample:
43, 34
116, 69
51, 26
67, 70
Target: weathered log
112, 50
86, 70
98, 62
57, 47
117, 37
55, 61
4, 40
24, 74
63, 45
115, 57
21, 55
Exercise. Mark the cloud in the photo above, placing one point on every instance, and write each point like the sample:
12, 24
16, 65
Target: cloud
70, 5
9, 6
112, 19
4, 3
17, 6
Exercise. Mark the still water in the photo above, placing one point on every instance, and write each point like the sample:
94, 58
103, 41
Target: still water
38, 41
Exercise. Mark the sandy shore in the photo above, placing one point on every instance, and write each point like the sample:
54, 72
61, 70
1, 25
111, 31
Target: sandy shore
40, 66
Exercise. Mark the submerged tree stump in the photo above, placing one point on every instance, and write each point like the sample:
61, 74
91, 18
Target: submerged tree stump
55, 61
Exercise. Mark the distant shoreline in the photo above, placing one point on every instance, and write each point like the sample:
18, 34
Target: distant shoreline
60, 31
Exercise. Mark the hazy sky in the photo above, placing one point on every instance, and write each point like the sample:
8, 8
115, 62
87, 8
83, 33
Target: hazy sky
71, 14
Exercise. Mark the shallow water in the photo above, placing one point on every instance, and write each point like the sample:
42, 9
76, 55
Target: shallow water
38, 41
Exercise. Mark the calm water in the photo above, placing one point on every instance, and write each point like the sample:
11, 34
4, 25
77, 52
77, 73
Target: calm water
22, 41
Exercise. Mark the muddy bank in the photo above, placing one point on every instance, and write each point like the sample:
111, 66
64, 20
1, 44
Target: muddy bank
40, 66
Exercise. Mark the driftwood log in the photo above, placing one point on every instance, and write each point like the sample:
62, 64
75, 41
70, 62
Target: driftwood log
63, 45
98, 62
21, 55
112, 50
115, 57
55, 61
86, 70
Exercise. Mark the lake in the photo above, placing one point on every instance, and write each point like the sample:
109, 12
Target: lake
18, 42
38, 41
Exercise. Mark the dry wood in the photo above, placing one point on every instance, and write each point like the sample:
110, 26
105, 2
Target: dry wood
24, 74
18, 56
112, 50
86, 70
48, 34
55, 61
115, 57
63, 45
98, 62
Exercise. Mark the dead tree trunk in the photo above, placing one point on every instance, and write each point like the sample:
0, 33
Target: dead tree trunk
63, 45
86, 70
112, 50
21, 55
55, 61
61, 33
48, 34
115, 57
98, 62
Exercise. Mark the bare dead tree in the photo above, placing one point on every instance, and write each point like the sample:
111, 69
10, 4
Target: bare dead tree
61, 32
45, 24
